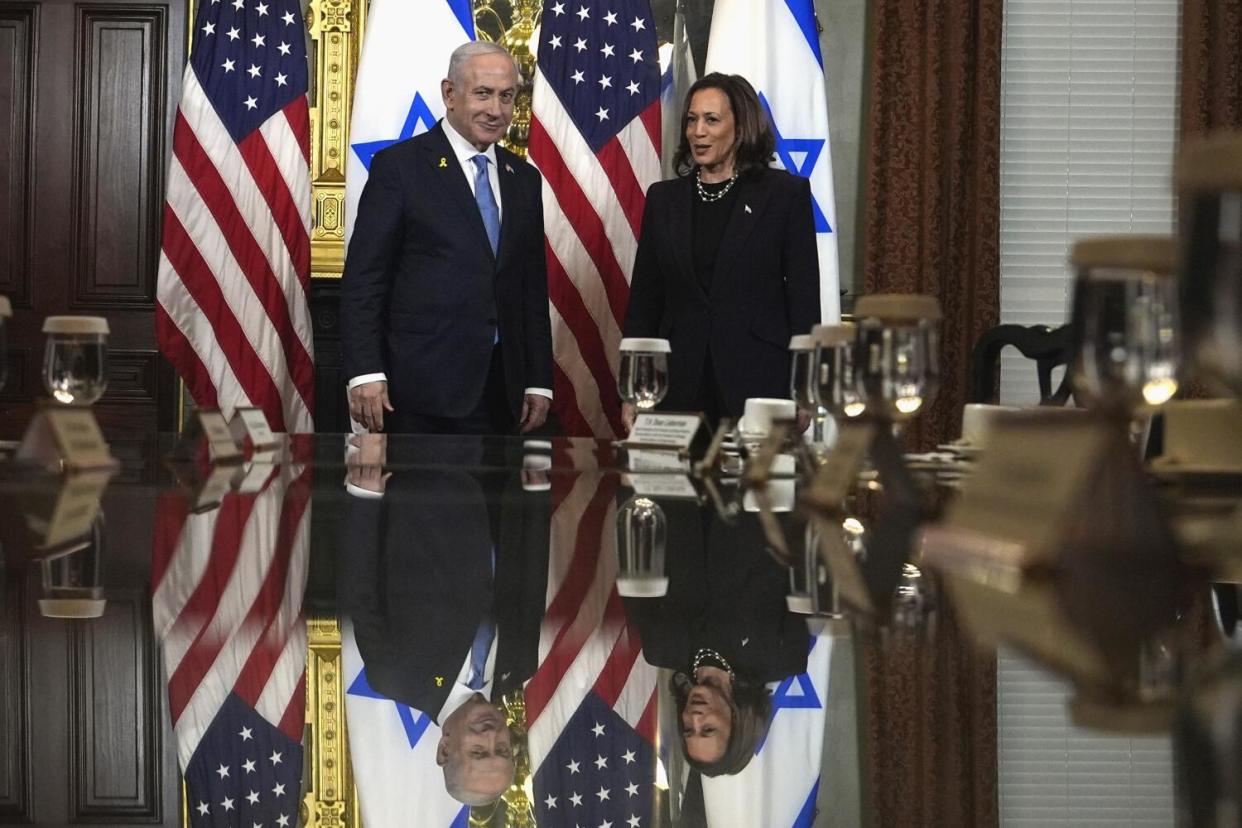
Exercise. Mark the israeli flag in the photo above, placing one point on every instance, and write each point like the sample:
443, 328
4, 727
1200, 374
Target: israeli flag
779, 786
405, 55
774, 44
392, 748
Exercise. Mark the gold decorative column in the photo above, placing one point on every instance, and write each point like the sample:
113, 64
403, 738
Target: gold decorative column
336, 32
331, 801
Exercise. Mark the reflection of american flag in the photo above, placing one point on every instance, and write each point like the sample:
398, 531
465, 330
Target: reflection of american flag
228, 588
232, 314
595, 136
591, 705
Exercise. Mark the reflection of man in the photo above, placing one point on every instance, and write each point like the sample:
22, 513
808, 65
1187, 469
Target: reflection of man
444, 570
444, 304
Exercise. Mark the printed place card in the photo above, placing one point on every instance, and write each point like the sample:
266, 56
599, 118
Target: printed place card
665, 430
220, 444
66, 437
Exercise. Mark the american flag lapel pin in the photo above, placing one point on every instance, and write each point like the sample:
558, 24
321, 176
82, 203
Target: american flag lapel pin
443, 163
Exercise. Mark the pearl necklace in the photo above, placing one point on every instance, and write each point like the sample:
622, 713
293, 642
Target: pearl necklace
708, 653
708, 197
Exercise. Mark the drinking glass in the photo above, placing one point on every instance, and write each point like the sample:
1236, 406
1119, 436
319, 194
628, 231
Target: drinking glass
802, 372
896, 368
642, 533
75, 358
643, 377
1125, 323
834, 386
72, 577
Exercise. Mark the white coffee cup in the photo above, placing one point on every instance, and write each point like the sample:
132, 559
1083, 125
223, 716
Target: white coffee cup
781, 492
977, 419
761, 412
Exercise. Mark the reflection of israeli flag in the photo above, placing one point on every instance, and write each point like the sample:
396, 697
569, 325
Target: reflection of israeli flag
779, 786
774, 44
393, 751
397, 95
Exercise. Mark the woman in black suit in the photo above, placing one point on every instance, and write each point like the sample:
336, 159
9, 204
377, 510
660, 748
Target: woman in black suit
724, 628
727, 267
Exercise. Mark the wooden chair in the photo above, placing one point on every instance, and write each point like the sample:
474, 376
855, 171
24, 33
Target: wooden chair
1048, 347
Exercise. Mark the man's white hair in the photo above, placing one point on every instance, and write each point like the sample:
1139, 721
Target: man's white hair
471, 49
453, 786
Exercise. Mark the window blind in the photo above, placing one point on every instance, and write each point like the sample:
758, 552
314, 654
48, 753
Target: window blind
1088, 126
1055, 774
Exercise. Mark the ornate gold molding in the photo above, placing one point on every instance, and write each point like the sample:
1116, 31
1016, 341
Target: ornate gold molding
331, 800
336, 29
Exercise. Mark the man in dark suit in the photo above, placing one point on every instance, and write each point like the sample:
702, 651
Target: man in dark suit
444, 303
444, 574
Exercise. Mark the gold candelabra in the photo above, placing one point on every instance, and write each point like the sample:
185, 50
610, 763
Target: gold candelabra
517, 37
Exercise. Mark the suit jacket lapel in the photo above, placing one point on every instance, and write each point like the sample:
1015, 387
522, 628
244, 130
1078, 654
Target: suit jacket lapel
751, 200
681, 229
508, 203
444, 161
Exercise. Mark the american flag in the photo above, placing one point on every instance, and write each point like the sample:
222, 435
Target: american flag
232, 315
227, 603
591, 705
595, 137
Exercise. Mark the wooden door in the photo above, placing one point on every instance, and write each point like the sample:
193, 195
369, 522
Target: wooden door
84, 733
88, 93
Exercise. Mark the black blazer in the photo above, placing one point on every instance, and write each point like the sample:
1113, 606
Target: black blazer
415, 577
765, 288
423, 295
725, 592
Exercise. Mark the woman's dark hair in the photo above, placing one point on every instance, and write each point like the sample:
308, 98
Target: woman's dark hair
749, 705
755, 142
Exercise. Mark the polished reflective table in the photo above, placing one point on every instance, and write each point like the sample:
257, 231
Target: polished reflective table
449, 631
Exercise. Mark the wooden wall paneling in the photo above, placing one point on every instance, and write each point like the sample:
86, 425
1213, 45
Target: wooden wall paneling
116, 739
133, 377
331, 408
18, 36
17, 386
119, 154
15, 776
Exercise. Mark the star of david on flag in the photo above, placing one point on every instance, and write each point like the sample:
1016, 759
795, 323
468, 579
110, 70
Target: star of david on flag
392, 747
780, 785
397, 95
775, 45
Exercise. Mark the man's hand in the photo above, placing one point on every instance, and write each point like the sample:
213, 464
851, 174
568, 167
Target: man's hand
534, 411
629, 412
367, 404
804, 420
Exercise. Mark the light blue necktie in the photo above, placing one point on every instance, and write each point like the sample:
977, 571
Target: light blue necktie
488, 208
483, 638
479, 650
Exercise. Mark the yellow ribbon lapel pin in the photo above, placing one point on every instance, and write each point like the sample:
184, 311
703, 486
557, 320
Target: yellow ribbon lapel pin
443, 163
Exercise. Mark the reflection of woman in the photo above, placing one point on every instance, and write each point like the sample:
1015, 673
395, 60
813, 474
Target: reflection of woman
724, 628
727, 267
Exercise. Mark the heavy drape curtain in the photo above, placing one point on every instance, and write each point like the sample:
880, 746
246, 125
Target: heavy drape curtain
1211, 57
931, 226
933, 176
